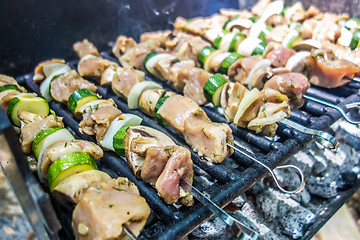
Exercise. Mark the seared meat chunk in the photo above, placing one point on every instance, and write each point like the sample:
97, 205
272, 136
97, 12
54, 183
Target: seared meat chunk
63, 86
231, 96
39, 74
279, 56
6, 97
108, 206
195, 79
176, 109
122, 45
259, 7
84, 48
34, 125
96, 120
293, 85
5, 80
241, 68
326, 70
176, 81
159, 36
208, 139
125, 79
94, 67
58, 149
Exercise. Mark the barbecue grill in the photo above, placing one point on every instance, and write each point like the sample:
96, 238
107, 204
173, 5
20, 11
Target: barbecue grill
37, 32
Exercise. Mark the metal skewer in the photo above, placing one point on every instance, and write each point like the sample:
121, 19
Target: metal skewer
129, 233
343, 113
324, 138
237, 227
301, 174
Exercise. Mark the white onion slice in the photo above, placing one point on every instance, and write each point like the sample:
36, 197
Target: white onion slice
273, 8
296, 63
345, 38
245, 103
247, 46
289, 37
149, 65
137, 90
242, 22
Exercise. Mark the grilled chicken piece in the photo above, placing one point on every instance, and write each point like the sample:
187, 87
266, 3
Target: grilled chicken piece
206, 138
231, 95
39, 74
134, 56
84, 48
277, 34
293, 85
195, 79
259, 7
125, 79
326, 70
279, 56
69, 191
276, 20
176, 116
94, 67
159, 36
232, 13
122, 45
241, 68
5, 80
6, 97
33, 125
342, 52
176, 81
97, 121
62, 87
58, 149
108, 206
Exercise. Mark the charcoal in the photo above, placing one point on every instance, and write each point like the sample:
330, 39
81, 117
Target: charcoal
319, 166
211, 229
322, 187
347, 180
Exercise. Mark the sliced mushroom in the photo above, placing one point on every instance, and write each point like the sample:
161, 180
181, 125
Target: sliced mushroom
39, 74
69, 191
257, 73
306, 45
149, 99
137, 140
231, 96
108, 75
270, 46
296, 63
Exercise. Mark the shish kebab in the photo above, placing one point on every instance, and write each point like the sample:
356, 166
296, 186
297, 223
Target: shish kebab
68, 167
167, 166
150, 99
184, 77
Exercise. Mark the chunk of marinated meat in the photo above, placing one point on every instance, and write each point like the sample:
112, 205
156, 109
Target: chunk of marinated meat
280, 56
342, 52
122, 45
97, 121
5, 80
277, 34
307, 28
159, 36
6, 97
62, 87
293, 85
39, 74
326, 30
125, 79
232, 13
276, 20
326, 70
241, 68
179, 166
135, 56
94, 67
176, 81
231, 96
195, 79
259, 7
162, 67
176, 109
106, 208
61, 148
208, 139
312, 11
84, 48
34, 125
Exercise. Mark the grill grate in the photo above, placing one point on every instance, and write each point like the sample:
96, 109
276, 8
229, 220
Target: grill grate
174, 222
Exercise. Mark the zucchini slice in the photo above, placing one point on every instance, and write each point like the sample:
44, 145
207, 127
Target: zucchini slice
259, 49
355, 39
235, 41
229, 60
45, 85
80, 97
212, 88
28, 102
40, 138
205, 53
69, 165
158, 117
137, 90
118, 141
116, 124
9, 87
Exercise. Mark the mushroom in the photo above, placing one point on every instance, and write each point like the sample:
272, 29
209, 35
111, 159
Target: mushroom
39, 74
296, 63
149, 99
306, 45
136, 142
69, 191
231, 96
